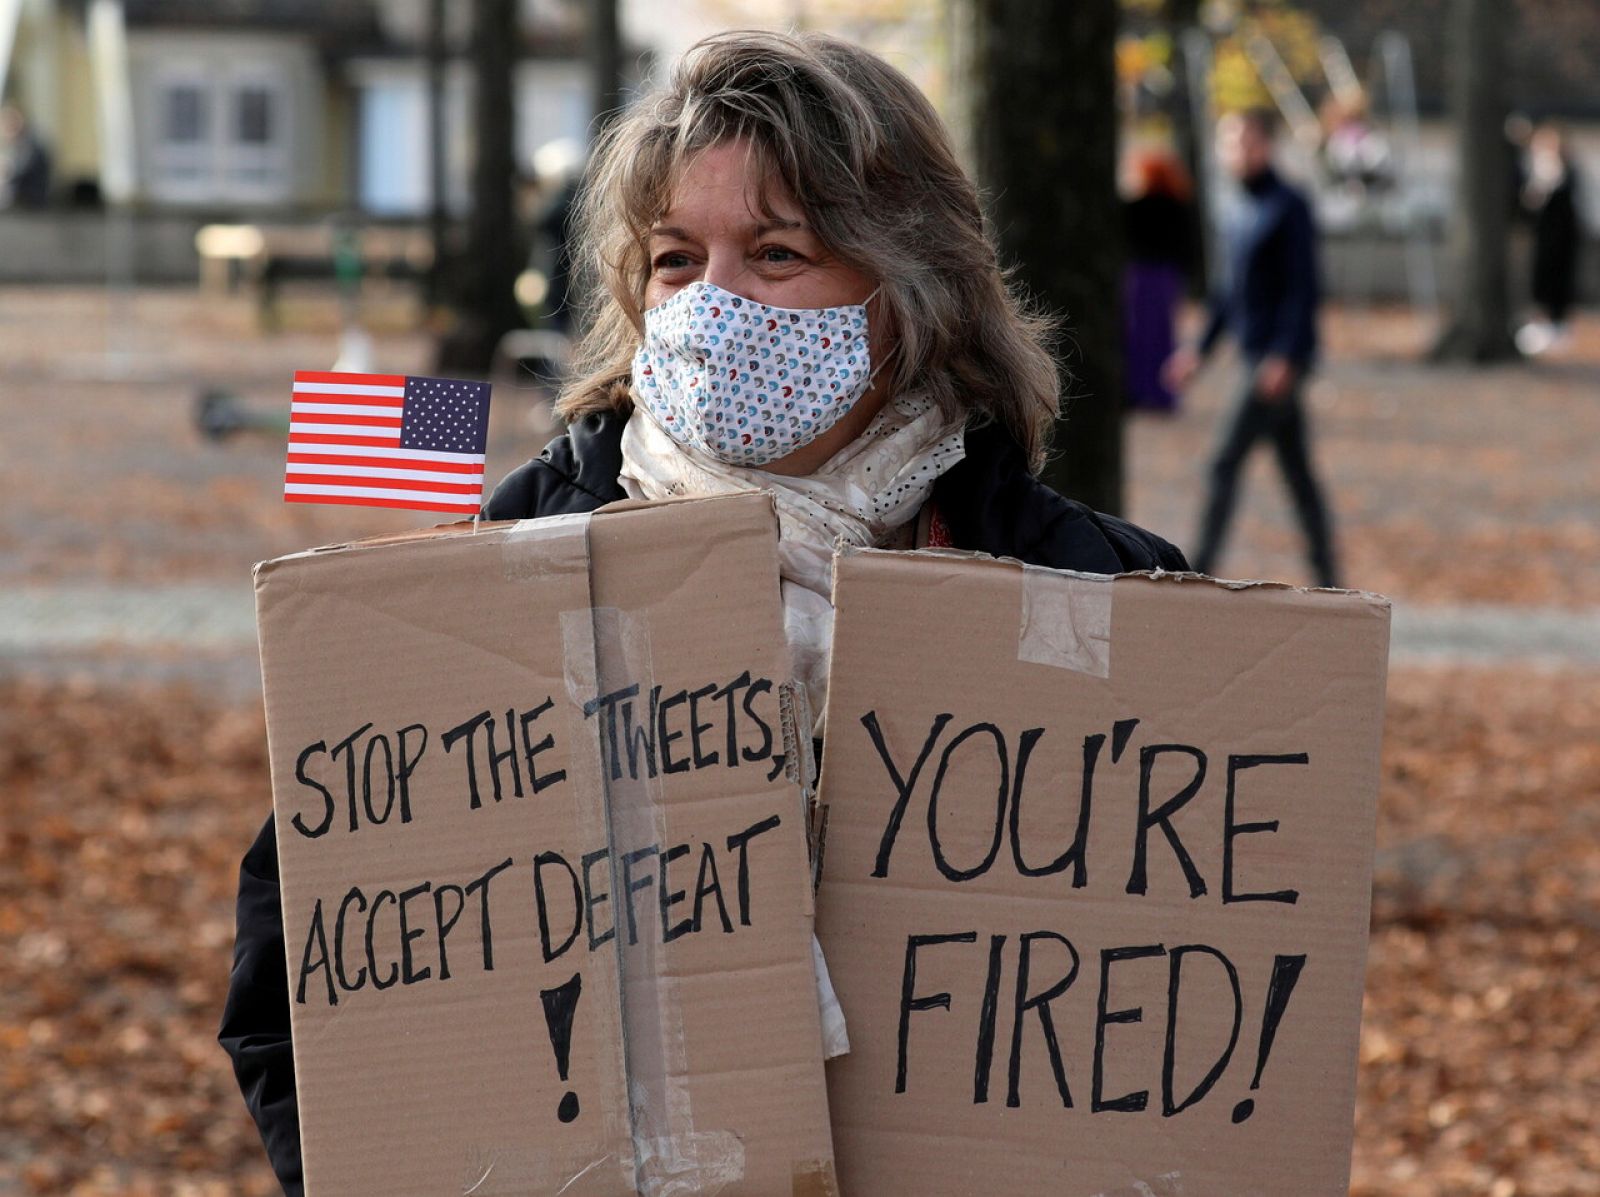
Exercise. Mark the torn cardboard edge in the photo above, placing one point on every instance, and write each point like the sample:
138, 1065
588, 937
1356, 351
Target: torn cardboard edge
472, 528
1165, 576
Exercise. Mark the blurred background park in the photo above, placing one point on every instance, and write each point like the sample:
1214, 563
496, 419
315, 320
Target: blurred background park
205, 195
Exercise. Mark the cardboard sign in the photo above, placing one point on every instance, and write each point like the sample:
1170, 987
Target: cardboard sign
546, 888
1095, 880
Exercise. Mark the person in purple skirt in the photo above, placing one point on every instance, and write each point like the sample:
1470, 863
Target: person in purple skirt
1159, 228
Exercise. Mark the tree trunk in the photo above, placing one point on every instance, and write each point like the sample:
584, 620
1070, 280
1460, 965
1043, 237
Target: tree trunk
1479, 328
1188, 128
605, 60
494, 253
438, 212
1045, 133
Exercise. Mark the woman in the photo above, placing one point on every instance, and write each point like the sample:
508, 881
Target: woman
1549, 198
797, 199
1158, 227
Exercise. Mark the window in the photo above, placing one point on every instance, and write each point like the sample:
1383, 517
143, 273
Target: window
185, 115
257, 150
253, 115
181, 160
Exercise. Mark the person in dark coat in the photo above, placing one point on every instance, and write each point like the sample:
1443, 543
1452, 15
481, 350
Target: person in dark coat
885, 385
27, 161
1269, 305
1159, 231
1550, 199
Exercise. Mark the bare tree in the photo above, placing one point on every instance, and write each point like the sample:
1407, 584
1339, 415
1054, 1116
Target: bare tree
486, 276
605, 59
438, 214
1479, 328
1189, 128
1045, 136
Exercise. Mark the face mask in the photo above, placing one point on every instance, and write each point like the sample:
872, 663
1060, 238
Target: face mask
745, 382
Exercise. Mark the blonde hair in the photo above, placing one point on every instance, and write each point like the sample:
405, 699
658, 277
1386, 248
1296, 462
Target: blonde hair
866, 158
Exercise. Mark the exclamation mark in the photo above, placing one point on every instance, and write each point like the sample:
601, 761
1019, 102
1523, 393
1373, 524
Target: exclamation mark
1285, 974
560, 1004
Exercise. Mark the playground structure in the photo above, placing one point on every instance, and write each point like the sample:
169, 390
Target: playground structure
1359, 150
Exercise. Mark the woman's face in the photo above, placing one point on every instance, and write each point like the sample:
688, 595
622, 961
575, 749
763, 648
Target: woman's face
715, 231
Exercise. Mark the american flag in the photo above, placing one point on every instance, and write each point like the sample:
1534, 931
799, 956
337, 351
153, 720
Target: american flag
387, 440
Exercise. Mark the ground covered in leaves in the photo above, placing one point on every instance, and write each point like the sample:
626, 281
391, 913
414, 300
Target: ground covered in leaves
126, 812
1480, 1045
124, 818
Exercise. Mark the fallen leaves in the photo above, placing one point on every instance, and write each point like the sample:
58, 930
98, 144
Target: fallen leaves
125, 817
1480, 1046
126, 813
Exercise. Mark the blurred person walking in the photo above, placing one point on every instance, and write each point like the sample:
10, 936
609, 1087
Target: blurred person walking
1549, 198
27, 162
1269, 304
1158, 223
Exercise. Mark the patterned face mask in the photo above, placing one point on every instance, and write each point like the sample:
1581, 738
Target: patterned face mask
745, 382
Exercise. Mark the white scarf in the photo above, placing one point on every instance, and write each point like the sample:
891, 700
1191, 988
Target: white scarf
861, 496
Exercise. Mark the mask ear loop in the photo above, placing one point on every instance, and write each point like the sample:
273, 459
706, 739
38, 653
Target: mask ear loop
873, 376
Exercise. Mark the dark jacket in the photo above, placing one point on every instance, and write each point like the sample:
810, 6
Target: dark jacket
1557, 233
989, 502
1269, 299
29, 172
1160, 229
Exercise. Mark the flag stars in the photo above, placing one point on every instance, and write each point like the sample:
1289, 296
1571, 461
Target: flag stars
446, 415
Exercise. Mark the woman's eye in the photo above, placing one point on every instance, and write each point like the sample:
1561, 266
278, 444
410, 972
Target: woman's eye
778, 253
671, 260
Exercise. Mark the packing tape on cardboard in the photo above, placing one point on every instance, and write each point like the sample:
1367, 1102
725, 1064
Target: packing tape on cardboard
604, 649
814, 1178
537, 548
691, 1164
607, 649
1066, 620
